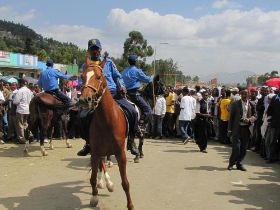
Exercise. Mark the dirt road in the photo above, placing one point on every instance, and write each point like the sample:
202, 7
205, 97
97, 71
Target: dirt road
172, 176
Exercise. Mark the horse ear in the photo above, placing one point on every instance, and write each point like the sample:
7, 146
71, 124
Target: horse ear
102, 64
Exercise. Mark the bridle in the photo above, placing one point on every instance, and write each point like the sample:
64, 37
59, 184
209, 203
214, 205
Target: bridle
98, 89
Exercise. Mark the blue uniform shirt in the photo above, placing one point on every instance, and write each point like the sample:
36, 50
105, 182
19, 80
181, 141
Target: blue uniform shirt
48, 78
111, 74
132, 76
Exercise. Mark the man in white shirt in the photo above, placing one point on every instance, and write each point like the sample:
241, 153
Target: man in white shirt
186, 114
22, 100
158, 115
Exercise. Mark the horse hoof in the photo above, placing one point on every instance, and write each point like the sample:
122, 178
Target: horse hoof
51, 147
110, 187
69, 145
25, 151
141, 155
136, 160
94, 201
110, 164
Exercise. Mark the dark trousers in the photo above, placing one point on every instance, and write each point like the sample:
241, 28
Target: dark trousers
272, 143
131, 114
239, 146
258, 136
157, 125
168, 124
223, 126
201, 132
142, 104
60, 95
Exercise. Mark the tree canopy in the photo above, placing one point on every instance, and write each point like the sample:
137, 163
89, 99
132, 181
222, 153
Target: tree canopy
18, 38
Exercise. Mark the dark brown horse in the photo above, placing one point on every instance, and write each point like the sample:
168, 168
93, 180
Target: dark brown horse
107, 132
45, 110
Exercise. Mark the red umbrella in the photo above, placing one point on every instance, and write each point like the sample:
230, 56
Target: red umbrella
274, 82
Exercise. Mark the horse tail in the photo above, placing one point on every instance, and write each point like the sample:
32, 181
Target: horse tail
34, 112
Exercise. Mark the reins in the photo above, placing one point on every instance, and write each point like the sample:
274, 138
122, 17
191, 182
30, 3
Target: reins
97, 97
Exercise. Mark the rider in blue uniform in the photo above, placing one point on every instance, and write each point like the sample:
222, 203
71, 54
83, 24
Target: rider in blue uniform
132, 76
116, 86
48, 80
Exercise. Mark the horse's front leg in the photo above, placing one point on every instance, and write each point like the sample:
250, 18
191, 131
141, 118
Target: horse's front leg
100, 181
94, 170
109, 183
121, 158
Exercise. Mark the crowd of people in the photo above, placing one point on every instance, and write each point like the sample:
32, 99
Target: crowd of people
14, 103
242, 118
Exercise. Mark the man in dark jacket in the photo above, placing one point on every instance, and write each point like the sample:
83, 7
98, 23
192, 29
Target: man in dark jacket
260, 111
242, 115
273, 112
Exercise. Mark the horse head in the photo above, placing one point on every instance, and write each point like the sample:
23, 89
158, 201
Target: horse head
154, 88
94, 84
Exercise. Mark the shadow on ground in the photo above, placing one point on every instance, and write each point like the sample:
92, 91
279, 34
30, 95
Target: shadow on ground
16, 150
206, 168
264, 196
55, 197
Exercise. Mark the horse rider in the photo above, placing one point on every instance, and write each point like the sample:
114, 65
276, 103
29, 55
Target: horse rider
132, 76
48, 80
117, 88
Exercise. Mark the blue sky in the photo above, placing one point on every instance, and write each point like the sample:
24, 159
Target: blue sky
222, 35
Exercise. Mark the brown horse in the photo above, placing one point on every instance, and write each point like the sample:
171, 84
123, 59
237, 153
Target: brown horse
45, 110
107, 132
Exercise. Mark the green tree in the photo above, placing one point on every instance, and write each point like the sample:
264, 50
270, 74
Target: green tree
196, 79
29, 48
42, 55
167, 69
188, 78
274, 74
3, 45
136, 44
263, 78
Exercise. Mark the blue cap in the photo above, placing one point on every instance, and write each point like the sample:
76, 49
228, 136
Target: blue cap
133, 57
94, 42
49, 62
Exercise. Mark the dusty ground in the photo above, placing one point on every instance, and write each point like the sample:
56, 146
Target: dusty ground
172, 176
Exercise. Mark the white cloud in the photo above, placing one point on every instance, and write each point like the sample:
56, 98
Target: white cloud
78, 34
231, 40
225, 4
218, 4
8, 13
152, 23
217, 41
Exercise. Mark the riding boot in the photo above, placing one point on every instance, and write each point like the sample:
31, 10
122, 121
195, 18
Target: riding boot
132, 146
85, 151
